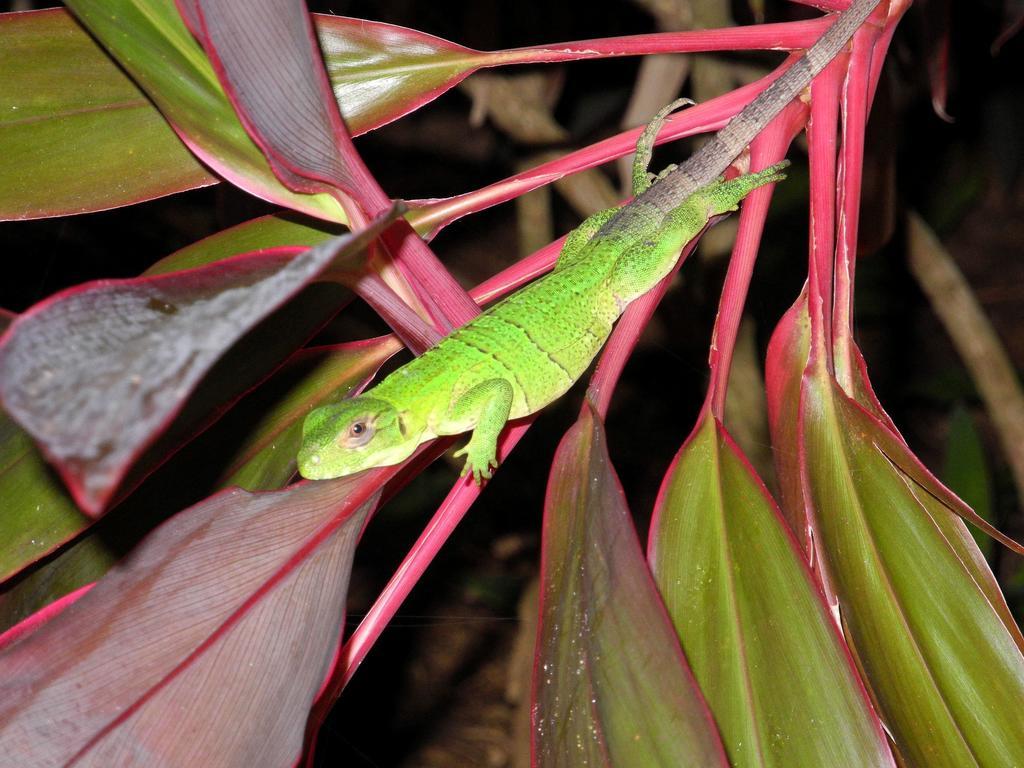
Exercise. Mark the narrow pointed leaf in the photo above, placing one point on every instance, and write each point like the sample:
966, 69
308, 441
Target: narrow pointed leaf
164, 60
784, 367
263, 233
254, 587
77, 133
918, 604
266, 55
38, 513
96, 372
381, 72
891, 444
753, 623
610, 684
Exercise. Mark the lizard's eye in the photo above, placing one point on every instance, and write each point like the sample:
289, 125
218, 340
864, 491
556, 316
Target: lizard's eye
358, 434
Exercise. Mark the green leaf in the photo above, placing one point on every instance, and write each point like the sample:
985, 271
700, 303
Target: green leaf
37, 513
149, 39
611, 687
753, 623
381, 72
919, 606
254, 235
922, 612
78, 135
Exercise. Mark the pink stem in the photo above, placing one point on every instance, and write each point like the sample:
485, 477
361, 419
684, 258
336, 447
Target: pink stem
441, 525
855, 117
433, 215
790, 35
448, 305
768, 148
407, 325
821, 156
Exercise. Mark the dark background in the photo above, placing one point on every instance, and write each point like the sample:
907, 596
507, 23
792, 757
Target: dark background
436, 689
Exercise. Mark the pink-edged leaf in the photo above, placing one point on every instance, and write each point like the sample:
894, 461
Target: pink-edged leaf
149, 39
39, 514
76, 566
189, 10
610, 684
271, 67
946, 508
787, 354
266, 55
253, 586
754, 626
269, 421
919, 606
77, 134
13, 634
258, 234
96, 372
380, 72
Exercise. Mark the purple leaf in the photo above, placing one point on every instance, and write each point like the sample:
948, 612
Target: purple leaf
265, 53
268, 59
96, 372
212, 638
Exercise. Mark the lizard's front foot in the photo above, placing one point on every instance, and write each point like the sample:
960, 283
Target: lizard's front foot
479, 460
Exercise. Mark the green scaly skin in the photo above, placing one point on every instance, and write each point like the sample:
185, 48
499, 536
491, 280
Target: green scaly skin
524, 352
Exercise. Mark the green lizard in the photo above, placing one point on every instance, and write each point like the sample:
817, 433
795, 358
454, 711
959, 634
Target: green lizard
529, 349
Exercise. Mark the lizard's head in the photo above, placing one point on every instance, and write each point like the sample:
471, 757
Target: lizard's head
353, 435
